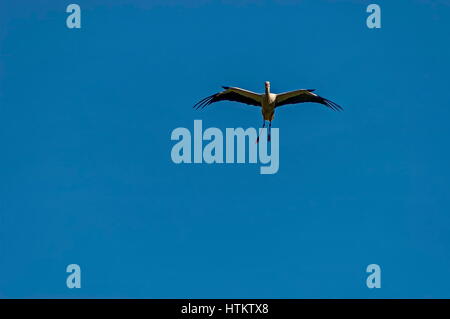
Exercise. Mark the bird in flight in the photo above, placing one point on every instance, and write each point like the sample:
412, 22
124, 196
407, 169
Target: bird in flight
267, 101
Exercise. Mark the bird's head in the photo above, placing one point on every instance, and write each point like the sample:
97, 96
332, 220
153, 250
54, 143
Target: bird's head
267, 84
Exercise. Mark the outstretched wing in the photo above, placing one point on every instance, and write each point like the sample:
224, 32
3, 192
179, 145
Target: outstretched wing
302, 96
231, 94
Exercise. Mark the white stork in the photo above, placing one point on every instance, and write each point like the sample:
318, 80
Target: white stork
267, 101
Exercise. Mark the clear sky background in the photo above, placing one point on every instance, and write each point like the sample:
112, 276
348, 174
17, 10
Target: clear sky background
86, 175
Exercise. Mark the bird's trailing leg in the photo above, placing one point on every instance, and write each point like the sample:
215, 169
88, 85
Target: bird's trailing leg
268, 134
264, 125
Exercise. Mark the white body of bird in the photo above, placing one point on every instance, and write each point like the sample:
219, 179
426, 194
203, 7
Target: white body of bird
268, 104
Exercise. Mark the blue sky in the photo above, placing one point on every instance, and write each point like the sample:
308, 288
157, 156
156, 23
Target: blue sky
87, 178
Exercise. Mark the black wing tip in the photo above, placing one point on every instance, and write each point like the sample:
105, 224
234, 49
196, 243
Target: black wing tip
333, 106
207, 100
204, 102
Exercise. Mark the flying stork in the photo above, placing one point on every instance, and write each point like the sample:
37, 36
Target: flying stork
267, 101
